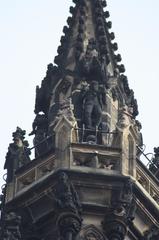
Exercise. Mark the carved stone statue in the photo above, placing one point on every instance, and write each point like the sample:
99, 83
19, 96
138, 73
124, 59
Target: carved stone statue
18, 154
154, 166
151, 234
121, 213
93, 100
91, 67
68, 208
140, 138
65, 109
12, 227
130, 100
66, 197
125, 117
43, 93
40, 129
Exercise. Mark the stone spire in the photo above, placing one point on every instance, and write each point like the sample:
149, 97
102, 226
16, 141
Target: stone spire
87, 52
86, 85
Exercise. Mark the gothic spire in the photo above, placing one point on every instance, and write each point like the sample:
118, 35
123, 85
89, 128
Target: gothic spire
89, 20
87, 54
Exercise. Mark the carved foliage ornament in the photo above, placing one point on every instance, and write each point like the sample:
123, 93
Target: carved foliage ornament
91, 233
68, 207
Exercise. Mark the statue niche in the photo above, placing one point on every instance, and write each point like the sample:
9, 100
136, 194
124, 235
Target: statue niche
90, 96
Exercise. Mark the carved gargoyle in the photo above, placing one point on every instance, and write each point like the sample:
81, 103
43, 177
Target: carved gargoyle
129, 100
18, 153
43, 93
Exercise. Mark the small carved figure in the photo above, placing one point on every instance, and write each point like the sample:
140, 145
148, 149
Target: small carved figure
43, 93
40, 129
140, 139
68, 208
91, 139
90, 161
121, 213
66, 197
66, 109
12, 227
124, 117
152, 233
90, 232
104, 134
91, 67
127, 193
93, 100
132, 102
154, 166
40, 124
18, 154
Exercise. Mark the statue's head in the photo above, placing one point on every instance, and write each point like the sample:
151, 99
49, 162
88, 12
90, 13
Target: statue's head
91, 139
63, 177
94, 85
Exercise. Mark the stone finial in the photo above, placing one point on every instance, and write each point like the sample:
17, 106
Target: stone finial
18, 153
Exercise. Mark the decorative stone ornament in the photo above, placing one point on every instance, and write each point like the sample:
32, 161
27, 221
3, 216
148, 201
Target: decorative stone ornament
152, 233
12, 225
18, 154
120, 214
124, 117
68, 208
90, 232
